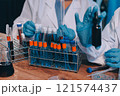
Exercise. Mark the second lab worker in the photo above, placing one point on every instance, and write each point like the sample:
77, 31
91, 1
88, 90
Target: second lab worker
45, 12
109, 51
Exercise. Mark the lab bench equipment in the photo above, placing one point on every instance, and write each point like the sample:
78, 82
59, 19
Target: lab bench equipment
59, 58
18, 52
18, 45
6, 67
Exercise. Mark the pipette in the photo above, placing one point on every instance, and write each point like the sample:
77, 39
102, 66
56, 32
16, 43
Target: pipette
100, 72
90, 70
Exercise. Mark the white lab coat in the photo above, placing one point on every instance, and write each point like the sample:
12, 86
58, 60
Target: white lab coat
43, 12
110, 39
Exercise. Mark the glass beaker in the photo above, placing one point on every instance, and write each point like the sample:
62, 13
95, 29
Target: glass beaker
6, 67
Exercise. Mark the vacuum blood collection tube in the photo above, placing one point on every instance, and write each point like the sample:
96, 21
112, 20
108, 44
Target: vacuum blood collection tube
20, 32
96, 31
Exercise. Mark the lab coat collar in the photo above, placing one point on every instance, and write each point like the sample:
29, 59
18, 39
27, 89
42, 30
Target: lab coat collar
51, 3
76, 4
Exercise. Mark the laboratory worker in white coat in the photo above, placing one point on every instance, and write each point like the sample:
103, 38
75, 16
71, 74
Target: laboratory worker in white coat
109, 51
46, 12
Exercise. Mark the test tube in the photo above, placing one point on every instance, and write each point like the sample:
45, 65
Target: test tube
45, 47
38, 31
55, 35
31, 52
45, 34
74, 56
35, 53
62, 12
55, 50
10, 42
59, 55
49, 37
19, 25
52, 44
64, 47
96, 31
68, 50
40, 52
45, 54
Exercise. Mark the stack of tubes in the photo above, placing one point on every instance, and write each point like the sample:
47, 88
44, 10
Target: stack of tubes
17, 45
47, 50
22, 40
10, 41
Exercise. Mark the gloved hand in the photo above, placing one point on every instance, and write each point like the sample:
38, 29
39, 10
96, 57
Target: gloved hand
67, 32
29, 29
84, 29
113, 58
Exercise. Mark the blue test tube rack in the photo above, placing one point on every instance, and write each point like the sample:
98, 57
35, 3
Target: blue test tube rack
59, 61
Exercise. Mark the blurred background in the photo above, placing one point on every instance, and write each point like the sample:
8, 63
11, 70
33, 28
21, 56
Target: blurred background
10, 10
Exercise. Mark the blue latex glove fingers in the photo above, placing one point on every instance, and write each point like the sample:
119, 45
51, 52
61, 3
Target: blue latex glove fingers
87, 17
113, 60
29, 29
113, 57
110, 54
79, 24
113, 65
114, 50
102, 16
28, 33
71, 33
63, 29
95, 9
83, 30
77, 20
67, 32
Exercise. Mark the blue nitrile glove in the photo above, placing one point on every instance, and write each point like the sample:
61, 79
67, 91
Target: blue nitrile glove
29, 29
113, 58
67, 32
84, 29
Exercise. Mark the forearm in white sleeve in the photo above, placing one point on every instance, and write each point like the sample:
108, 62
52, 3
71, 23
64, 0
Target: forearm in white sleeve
109, 40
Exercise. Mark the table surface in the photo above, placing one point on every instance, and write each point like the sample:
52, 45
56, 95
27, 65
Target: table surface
25, 72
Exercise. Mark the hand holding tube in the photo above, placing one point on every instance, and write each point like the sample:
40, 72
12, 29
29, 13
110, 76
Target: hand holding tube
84, 29
67, 32
29, 29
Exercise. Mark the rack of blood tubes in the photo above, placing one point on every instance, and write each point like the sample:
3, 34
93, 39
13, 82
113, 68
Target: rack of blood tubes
49, 52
